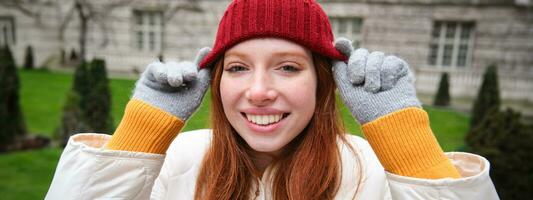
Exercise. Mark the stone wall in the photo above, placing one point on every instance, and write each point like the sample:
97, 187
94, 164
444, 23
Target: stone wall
503, 36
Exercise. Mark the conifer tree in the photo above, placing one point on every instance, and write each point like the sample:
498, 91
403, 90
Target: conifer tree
73, 120
73, 56
488, 96
443, 94
12, 123
28, 59
505, 141
98, 105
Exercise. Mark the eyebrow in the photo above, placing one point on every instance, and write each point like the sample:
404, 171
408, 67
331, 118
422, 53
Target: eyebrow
281, 53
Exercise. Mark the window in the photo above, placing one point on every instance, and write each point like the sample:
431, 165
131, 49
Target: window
451, 44
7, 31
148, 30
349, 27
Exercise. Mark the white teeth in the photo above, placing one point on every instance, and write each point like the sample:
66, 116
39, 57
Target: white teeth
264, 119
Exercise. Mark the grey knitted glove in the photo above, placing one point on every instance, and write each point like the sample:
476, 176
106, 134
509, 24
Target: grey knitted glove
177, 88
372, 84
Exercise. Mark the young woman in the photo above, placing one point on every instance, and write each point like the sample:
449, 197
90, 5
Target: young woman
276, 132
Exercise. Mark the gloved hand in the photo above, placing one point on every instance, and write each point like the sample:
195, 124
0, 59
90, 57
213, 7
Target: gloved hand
177, 88
372, 84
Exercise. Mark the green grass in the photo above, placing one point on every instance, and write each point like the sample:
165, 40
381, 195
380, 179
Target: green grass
27, 175
44, 93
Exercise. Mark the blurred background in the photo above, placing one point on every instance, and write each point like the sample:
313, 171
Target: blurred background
68, 66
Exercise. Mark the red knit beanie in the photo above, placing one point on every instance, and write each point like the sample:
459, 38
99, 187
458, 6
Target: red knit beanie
301, 21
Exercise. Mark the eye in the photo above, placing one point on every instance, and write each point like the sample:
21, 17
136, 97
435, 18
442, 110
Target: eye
236, 68
289, 68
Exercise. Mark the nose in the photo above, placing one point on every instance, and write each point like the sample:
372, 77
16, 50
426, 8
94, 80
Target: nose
261, 91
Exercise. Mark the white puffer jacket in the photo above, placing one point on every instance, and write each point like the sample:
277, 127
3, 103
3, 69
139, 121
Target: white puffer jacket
87, 171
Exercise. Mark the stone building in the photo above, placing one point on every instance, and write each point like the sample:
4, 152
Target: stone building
461, 37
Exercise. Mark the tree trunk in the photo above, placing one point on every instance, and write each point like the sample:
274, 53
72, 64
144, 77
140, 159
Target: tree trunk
83, 29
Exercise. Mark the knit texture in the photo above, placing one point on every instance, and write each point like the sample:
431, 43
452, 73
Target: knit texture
372, 84
405, 145
301, 21
145, 128
177, 88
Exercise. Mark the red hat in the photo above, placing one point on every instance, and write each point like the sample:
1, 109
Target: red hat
301, 21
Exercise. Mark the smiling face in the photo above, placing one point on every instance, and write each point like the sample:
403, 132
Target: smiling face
268, 91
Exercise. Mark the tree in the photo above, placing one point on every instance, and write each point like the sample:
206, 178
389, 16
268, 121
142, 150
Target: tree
98, 106
505, 141
71, 121
88, 12
443, 94
488, 96
11, 120
88, 105
73, 57
28, 59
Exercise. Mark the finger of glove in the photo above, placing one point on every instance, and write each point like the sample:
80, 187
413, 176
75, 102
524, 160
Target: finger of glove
356, 66
189, 70
149, 72
344, 45
159, 72
201, 54
203, 80
175, 74
372, 71
391, 71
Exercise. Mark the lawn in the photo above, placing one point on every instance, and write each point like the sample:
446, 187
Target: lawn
27, 175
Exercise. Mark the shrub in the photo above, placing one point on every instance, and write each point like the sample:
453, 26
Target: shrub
74, 59
88, 107
28, 59
506, 142
98, 105
488, 96
12, 125
443, 94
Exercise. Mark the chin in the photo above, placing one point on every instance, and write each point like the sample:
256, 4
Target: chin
264, 147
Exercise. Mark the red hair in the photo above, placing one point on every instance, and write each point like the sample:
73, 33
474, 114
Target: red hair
228, 172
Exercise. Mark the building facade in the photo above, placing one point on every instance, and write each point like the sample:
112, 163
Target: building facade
461, 37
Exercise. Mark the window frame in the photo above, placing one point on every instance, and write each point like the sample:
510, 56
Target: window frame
10, 21
356, 37
146, 29
441, 41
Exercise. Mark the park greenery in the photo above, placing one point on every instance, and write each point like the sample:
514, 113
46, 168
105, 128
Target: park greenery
502, 138
56, 105
443, 93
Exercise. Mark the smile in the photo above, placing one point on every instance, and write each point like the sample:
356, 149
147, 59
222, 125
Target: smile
265, 119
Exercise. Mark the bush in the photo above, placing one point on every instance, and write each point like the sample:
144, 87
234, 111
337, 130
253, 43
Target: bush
28, 59
88, 105
98, 105
443, 94
74, 59
488, 96
506, 142
12, 125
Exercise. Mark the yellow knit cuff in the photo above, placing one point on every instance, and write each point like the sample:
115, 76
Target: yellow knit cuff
405, 145
145, 128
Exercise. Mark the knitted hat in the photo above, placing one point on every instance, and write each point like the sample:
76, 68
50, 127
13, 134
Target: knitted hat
301, 21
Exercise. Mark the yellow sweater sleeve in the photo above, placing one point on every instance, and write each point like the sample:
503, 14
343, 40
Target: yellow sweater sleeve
145, 128
405, 145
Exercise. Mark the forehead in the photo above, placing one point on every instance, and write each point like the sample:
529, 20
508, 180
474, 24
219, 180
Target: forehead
268, 47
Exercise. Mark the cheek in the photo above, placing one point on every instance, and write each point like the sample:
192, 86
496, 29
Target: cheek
302, 94
231, 93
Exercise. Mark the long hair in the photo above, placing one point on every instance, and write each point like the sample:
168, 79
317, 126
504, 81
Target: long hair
309, 167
